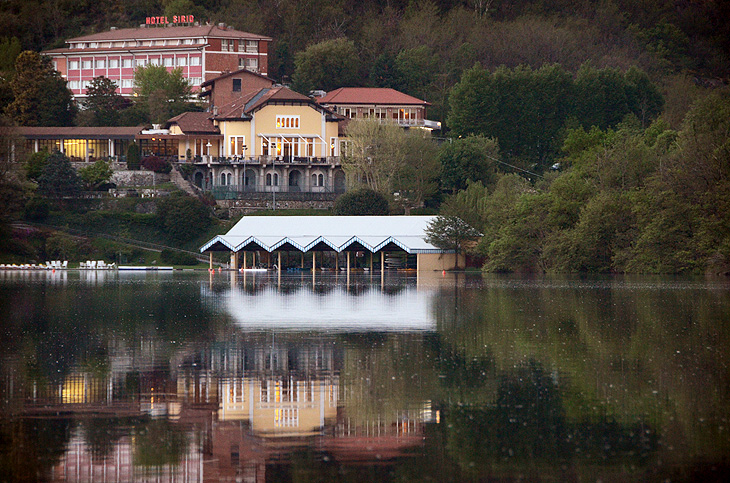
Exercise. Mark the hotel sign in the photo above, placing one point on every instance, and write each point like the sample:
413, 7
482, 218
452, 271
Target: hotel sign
165, 21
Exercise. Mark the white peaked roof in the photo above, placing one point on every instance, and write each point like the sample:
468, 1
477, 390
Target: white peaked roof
338, 232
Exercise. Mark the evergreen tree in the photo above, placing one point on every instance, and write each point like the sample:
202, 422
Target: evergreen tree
41, 97
58, 179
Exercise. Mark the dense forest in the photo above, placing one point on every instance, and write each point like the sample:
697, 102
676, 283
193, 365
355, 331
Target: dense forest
578, 136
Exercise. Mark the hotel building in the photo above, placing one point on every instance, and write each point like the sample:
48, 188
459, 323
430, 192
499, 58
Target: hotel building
203, 52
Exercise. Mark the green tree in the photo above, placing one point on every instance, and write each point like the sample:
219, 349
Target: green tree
417, 178
183, 218
469, 159
450, 233
9, 51
164, 94
327, 65
134, 156
41, 97
103, 103
58, 179
415, 69
34, 165
524, 109
97, 174
374, 153
359, 202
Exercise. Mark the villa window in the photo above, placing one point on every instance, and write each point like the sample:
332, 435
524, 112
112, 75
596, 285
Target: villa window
236, 145
224, 45
252, 46
287, 122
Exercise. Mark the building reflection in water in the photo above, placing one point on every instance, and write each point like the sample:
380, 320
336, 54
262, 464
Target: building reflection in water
236, 406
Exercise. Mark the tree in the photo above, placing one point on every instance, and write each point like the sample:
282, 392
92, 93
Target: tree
362, 201
164, 93
469, 159
58, 179
103, 103
10, 187
450, 233
183, 217
417, 178
374, 153
34, 164
96, 174
134, 156
41, 97
327, 65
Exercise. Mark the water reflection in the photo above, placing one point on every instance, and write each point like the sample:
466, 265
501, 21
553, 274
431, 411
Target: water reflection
182, 376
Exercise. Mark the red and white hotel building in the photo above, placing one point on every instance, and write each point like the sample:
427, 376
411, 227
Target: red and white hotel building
203, 52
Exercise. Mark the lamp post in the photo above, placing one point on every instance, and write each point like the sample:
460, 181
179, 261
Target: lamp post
210, 169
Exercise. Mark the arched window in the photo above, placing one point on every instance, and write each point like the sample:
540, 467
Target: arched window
268, 179
223, 179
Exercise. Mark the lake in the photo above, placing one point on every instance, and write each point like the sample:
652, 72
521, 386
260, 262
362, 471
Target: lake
191, 376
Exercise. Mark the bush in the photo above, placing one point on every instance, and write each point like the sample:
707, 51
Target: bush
177, 258
133, 156
187, 170
157, 164
36, 209
182, 217
362, 201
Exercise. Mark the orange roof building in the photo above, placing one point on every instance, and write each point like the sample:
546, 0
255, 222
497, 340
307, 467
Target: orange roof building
384, 104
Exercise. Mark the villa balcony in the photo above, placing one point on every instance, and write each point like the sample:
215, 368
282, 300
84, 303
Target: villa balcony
265, 160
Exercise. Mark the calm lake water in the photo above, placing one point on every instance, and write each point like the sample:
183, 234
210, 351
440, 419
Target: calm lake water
186, 376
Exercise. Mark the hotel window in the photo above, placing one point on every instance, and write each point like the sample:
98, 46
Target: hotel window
73, 65
182, 61
93, 45
141, 62
126, 83
224, 45
113, 63
86, 64
287, 122
252, 64
127, 63
155, 61
194, 60
167, 61
348, 112
236, 145
188, 41
236, 85
100, 64
252, 46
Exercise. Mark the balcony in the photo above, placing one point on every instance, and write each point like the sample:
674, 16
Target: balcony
265, 160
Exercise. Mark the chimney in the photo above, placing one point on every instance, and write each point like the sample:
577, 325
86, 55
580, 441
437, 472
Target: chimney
113, 28
222, 26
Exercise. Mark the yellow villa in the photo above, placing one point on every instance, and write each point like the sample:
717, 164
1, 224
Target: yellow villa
268, 140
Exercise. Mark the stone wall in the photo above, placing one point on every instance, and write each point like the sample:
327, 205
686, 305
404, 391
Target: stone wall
242, 207
138, 178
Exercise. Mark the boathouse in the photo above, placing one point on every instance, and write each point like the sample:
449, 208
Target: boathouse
333, 243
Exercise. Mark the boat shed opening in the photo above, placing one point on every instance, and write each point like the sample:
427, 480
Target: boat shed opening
332, 243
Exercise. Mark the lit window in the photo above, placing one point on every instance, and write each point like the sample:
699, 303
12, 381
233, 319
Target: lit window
287, 122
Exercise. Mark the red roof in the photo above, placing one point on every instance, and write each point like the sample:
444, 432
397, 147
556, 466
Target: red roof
253, 99
236, 72
194, 123
369, 95
174, 32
